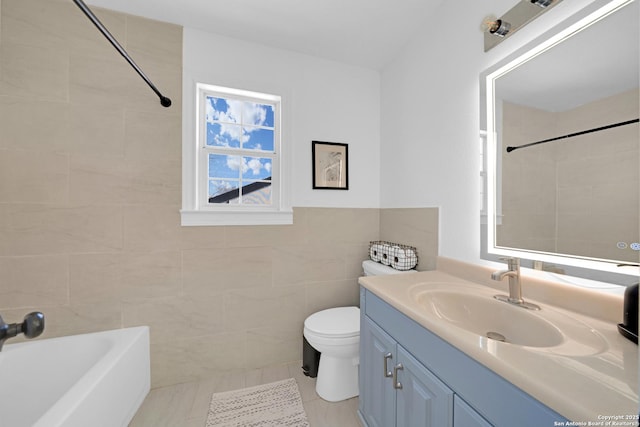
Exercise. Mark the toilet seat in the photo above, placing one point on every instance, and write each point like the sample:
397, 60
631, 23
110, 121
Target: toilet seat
341, 322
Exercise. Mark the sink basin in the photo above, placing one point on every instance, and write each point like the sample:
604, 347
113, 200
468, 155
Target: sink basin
475, 311
487, 316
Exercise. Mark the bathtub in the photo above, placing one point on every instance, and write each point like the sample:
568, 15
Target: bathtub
98, 380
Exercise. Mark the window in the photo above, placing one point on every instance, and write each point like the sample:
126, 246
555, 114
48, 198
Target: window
237, 162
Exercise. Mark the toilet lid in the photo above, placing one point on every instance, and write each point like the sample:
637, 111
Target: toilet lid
335, 322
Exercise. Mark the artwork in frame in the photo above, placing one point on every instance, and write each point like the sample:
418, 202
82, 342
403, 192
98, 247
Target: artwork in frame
330, 165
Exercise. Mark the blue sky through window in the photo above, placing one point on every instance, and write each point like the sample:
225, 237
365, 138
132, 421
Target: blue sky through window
258, 139
239, 124
248, 128
228, 166
223, 135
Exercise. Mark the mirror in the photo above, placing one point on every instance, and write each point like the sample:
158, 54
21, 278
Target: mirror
563, 144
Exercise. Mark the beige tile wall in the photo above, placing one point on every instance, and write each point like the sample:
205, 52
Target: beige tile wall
598, 179
579, 195
90, 180
528, 180
416, 227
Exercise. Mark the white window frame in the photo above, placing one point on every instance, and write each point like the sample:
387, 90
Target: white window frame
196, 210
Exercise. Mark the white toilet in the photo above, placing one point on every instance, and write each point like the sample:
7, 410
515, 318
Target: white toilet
335, 333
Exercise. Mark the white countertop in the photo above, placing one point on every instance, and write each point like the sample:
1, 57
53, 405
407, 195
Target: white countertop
580, 385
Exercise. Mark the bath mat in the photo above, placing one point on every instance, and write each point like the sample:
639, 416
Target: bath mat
267, 405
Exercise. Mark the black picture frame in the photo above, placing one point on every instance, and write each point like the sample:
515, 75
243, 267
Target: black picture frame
330, 165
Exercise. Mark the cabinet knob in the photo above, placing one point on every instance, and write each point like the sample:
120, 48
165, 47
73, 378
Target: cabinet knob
387, 372
397, 384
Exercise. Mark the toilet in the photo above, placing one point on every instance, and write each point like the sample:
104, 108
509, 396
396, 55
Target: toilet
335, 333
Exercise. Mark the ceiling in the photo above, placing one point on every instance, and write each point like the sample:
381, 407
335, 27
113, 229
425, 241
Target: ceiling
366, 33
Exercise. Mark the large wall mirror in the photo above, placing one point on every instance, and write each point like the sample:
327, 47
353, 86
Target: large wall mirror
563, 146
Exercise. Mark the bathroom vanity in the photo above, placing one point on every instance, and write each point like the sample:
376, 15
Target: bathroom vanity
422, 362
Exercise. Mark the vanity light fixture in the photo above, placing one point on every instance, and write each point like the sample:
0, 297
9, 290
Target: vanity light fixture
497, 27
500, 28
515, 18
542, 3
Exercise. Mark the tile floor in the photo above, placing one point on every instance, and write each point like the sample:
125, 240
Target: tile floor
187, 405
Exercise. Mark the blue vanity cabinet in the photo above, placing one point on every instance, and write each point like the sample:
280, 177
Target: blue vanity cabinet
423, 400
396, 389
465, 416
441, 386
377, 358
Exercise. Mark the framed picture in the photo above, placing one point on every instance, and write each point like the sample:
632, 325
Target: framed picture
330, 165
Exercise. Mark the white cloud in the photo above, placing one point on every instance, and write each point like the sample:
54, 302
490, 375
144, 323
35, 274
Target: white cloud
220, 187
254, 114
226, 185
232, 115
255, 166
236, 162
233, 131
252, 164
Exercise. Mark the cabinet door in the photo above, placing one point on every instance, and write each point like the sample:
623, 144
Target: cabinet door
378, 397
465, 416
423, 400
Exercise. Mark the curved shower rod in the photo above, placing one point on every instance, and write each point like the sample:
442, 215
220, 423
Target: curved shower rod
164, 101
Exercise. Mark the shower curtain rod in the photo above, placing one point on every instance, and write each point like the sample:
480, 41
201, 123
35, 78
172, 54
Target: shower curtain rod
164, 101
628, 122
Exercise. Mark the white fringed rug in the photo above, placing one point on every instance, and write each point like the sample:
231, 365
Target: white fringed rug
267, 405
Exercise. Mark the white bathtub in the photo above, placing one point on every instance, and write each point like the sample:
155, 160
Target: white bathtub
97, 380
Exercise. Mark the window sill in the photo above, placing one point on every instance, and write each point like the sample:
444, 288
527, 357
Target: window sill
190, 218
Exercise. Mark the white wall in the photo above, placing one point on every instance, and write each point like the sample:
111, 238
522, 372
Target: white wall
322, 100
424, 153
430, 146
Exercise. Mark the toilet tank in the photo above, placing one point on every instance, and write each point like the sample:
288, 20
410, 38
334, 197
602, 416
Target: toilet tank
372, 268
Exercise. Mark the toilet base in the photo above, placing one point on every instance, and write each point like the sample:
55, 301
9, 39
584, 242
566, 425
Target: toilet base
337, 378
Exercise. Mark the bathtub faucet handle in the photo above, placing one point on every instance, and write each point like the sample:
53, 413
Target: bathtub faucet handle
31, 327
33, 324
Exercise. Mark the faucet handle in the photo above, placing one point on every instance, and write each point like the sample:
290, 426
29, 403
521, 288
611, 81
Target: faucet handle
33, 324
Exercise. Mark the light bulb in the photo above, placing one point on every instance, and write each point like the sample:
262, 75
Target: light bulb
542, 3
495, 26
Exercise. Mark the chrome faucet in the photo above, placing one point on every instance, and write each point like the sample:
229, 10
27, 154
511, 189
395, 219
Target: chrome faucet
515, 285
31, 327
